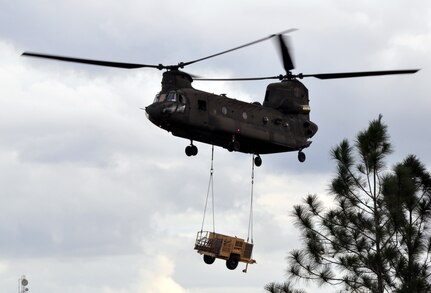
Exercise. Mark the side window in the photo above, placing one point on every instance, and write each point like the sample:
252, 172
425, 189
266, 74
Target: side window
202, 105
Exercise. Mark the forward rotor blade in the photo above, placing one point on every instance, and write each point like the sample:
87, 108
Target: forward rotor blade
358, 74
240, 47
284, 50
92, 62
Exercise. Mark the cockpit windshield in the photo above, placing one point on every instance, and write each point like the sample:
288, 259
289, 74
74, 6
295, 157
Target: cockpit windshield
176, 101
172, 96
159, 98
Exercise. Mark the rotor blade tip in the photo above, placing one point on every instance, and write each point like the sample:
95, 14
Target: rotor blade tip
288, 31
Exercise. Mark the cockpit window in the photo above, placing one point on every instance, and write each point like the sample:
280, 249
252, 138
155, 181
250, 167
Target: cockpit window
160, 98
172, 96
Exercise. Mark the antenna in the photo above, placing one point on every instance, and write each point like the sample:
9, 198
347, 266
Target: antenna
22, 284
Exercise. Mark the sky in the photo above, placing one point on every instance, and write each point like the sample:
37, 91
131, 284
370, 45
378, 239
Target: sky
94, 198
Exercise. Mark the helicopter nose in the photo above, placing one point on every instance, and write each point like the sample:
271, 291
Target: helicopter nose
148, 112
151, 113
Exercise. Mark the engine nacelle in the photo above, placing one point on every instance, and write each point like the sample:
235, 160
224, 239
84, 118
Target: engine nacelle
289, 96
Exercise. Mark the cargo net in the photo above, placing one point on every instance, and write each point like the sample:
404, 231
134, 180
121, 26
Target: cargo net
206, 243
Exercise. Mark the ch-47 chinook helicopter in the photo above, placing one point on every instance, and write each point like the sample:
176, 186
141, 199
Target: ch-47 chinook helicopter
281, 124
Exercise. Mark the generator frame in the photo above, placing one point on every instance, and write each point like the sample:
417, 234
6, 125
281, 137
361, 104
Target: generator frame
232, 249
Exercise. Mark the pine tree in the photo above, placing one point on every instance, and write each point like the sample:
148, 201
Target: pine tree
285, 287
376, 238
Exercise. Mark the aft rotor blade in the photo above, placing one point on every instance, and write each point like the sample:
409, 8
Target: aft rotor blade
358, 74
284, 50
239, 47
92, 62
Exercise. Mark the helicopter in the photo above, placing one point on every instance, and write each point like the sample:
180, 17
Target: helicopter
280, 124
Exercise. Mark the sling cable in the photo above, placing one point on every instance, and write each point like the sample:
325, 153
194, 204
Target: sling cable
213, 245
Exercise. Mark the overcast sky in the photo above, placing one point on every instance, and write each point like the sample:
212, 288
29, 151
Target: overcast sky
94, 198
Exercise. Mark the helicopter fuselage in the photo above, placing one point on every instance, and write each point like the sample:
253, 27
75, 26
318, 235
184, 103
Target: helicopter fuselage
232, 124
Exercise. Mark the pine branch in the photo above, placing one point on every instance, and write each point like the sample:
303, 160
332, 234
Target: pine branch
317, 276
358, 184
345, 226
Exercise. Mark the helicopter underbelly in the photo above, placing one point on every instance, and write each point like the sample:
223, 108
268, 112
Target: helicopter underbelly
252, 138
247, 144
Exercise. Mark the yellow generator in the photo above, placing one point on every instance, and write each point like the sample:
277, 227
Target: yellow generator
232, 249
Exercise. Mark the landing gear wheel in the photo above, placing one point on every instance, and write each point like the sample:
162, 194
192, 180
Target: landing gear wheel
191, 150
236, 145
232, 262
194, 150
258, 161
233, 145
208, 259
301, 156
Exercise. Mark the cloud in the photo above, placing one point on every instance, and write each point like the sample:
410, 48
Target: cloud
94, 197
155, 276
3, 267
159, 278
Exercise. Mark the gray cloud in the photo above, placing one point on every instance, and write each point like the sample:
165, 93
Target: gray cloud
94, 198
